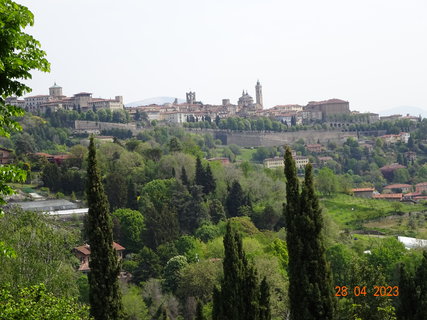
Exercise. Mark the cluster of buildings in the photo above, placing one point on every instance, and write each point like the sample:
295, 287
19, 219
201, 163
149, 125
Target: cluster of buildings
55, 100
395, 192
332, 110
246, 106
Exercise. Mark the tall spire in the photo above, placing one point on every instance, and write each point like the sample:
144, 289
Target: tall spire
258, 91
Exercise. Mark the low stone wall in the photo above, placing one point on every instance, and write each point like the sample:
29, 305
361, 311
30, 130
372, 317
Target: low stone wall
271, 139
81, 125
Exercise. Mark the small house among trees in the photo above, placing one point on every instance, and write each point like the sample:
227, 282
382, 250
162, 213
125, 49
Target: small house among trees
83, 253
363, 192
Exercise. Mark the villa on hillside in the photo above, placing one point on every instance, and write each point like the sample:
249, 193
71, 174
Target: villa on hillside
398, 188
83, 254
363, 192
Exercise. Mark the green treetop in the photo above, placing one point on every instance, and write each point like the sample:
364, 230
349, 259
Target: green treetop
19, 54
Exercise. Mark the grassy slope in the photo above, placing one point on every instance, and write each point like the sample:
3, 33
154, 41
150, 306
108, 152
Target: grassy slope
352, 213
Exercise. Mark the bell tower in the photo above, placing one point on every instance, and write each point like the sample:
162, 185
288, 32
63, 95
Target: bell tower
258, 91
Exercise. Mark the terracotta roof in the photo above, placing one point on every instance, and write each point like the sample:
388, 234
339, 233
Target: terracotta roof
412, 194
398, 186
362, 189
42, 154
85, 249
117, 246
388, 196
421, 184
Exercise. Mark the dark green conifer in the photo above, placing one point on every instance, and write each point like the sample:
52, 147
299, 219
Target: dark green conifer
132, 201
184, 177
104, 292
239, 296
408, 300
235, 199
310, 294
200, 173
421, 289
319, 295
264, 301
209, 183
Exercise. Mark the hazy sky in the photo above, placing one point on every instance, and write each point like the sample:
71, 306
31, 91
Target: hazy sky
372, 53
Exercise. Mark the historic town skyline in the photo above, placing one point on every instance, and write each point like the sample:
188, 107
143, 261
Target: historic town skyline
366, 53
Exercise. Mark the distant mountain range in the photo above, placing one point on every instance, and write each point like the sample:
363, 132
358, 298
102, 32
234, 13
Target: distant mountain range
156, 100
404, 110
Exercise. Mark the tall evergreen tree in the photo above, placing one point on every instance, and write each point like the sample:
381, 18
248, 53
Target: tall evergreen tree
209, 181
239, 296
408, 300
200, 173
421, 289
184, 177
132, 201
235, 199
104, 291
310, 288
264, 301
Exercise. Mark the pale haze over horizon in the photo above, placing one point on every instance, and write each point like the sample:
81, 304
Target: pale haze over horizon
371, 53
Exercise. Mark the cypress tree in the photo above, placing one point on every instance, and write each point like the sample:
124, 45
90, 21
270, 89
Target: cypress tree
421, 289
200, 173
239, 296
235, 199
184, 177
132, 201
264, 301
104, 292
209, 183
319, 293
408, 300
310, 288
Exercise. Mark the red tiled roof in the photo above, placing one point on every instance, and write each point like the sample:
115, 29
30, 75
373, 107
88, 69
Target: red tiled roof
118, 247
42, 154
85, 249
412, 194
421, 184
362, 189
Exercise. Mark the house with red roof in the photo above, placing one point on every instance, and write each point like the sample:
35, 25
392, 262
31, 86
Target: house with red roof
398, 188
421, 187
83, 254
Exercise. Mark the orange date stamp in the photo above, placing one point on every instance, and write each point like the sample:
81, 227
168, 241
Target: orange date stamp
377, 291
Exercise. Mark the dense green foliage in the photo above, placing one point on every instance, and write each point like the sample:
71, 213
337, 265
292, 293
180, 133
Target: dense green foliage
36, 303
